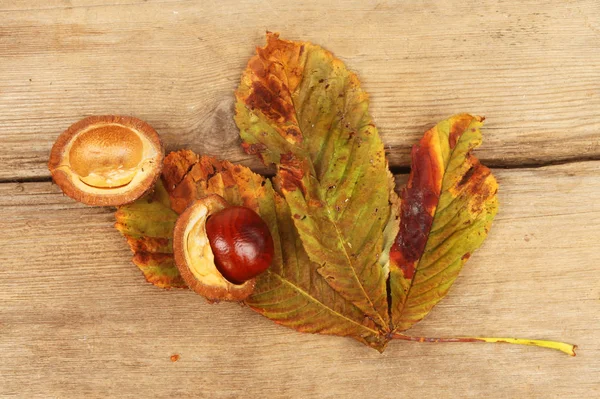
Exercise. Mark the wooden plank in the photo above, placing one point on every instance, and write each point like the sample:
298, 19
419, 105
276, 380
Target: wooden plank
531, 67
77, 319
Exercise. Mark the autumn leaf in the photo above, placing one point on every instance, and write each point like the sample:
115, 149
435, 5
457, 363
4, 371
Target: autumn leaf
445, 213
447, 209
148, 226
299, 107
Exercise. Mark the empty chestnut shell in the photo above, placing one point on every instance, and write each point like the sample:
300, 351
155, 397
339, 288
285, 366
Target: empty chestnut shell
106, 160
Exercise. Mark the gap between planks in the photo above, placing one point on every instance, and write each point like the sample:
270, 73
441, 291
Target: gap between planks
396, 170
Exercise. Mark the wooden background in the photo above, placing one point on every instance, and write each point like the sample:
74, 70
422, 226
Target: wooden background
78, 320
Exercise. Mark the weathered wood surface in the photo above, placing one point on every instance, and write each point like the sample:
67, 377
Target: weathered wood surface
76, 317
531, 67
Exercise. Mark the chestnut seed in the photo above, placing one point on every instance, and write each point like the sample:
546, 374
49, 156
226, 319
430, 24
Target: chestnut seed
241, 242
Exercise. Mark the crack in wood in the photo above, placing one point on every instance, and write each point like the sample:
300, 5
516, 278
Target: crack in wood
401, 170
396, 170
32, 179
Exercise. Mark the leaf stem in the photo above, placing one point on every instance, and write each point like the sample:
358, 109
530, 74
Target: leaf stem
569, 349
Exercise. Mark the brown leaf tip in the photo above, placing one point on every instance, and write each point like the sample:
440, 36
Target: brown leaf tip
458, 128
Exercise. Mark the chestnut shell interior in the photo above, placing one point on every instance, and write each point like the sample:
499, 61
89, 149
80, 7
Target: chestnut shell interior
107, 160
106, 156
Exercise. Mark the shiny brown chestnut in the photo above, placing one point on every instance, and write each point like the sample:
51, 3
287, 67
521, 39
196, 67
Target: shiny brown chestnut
219, 250
241, 242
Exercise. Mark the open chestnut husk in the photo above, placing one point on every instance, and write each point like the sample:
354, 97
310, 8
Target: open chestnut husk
107, 160
220, 249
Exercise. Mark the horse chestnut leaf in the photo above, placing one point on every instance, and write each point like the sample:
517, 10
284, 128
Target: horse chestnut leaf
241, 243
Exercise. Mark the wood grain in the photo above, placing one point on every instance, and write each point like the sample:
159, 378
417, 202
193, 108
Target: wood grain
530, 66
77, 319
